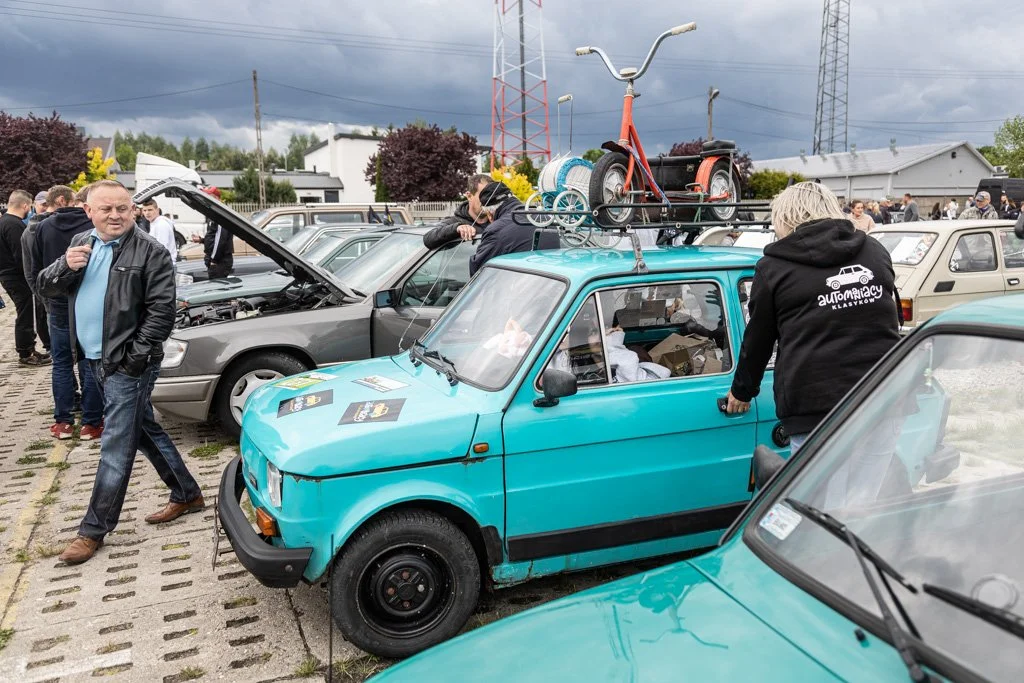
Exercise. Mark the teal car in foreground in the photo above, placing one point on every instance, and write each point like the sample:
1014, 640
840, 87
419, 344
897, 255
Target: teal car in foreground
561, 414
932, 591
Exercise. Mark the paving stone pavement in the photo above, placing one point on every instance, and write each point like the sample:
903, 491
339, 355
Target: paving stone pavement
151, 605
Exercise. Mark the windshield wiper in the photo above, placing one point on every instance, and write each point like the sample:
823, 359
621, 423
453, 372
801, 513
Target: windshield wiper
863, 552
1001, 618
416, 352
447, 365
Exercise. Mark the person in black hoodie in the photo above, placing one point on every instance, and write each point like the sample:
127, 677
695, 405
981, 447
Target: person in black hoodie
504, 235
826, 293
52, 239
467, 220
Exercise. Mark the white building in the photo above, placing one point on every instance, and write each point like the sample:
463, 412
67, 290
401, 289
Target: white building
344, 156
931, 172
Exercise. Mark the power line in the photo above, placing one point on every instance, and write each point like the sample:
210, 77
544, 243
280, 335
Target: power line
125, 99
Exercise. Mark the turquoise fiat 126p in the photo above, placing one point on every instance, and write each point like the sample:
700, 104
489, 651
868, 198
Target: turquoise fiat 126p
562, 414
857, 561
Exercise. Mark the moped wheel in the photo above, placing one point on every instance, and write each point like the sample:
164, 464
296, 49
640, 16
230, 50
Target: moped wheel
536, 203
722, 180
608, 186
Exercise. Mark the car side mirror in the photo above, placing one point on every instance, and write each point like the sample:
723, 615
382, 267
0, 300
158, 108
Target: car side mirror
1019, 228
385, 298
557, 384
765, 464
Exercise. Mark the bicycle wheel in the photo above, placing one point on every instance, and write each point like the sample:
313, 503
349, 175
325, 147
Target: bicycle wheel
608, 187
535, 203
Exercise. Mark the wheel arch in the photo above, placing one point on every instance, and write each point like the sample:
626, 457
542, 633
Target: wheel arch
299, 354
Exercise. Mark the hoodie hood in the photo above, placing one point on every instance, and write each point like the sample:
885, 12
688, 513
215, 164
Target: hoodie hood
824, 244
70, 219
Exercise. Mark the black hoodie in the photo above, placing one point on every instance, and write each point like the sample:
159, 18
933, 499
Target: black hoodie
827, 295
53, 237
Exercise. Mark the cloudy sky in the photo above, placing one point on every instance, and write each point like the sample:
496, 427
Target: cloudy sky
920, 71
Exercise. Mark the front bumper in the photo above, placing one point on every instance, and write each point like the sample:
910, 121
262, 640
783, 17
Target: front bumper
272, 566
186, 398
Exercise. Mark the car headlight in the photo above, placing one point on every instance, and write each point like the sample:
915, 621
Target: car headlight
274, 484
183, 279
174, 353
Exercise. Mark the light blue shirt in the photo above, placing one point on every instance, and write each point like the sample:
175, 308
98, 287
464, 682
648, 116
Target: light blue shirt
89, 302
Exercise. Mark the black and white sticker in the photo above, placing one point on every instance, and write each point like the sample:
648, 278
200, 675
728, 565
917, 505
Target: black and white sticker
372, 411
304, 402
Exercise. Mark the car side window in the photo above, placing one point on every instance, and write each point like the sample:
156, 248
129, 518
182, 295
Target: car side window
973, 254
283, 227
348, 254
1013, 249
581, 350
438, 279
665, 330
325, 217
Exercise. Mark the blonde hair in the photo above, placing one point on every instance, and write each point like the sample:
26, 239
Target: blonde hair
801, 203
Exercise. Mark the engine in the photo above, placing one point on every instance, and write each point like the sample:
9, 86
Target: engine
286, 301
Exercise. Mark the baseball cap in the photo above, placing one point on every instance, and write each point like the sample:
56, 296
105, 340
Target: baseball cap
494, 193
981, 196
40, 198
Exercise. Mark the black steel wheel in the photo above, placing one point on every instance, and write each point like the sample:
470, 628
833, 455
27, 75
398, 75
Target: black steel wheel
608, 186
723, 180
406, 581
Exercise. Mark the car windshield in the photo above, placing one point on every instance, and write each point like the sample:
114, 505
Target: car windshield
369, 271
929, 472
905, 248
491, 327
321, 248
303, 239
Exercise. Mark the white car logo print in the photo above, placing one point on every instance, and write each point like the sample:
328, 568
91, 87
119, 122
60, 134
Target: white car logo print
850, 275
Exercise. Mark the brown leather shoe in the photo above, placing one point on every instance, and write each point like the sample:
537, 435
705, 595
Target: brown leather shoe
174, 510
80, 550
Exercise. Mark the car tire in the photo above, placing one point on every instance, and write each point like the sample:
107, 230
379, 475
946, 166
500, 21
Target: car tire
835, 285
412, 554
245, 376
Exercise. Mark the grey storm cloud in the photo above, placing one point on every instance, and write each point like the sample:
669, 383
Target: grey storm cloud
913, 63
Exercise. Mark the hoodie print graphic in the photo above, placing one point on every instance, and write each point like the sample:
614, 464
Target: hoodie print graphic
861, 295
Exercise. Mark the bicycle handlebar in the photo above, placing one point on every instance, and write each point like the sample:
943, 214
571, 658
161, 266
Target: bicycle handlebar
618, 75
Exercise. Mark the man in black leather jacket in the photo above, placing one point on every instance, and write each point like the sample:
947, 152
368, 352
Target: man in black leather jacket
120, 287
467, 221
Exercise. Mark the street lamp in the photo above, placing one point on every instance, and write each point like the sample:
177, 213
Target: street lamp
712, 94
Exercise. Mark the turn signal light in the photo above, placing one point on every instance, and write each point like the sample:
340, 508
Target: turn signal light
480, 448
266, 524
908, 309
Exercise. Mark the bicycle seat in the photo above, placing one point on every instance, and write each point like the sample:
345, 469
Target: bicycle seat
712, 146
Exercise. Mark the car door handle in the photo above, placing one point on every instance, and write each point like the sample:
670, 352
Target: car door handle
1013, 281
723, 406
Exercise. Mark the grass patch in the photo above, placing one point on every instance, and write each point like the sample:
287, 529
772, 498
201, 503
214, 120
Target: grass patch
112, 647
359, 668
59, 466
40, 445
244, 601
309, 667
5, 637
191, 673
208, 450
21, 556
3, 529
247, 508
45, 411
30, 459
96, 447
51, 495
28, 474
43, 551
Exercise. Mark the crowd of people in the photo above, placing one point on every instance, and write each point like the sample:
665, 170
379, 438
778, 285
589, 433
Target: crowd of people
867, 215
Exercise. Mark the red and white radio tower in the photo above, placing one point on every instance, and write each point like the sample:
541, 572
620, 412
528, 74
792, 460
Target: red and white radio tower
519, 111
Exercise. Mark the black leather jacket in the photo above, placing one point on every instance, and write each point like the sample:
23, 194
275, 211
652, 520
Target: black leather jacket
138, 313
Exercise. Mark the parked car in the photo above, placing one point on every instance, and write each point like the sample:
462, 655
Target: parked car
219, 353
513, 441
794, 591
754, 239
333, 251
940, 264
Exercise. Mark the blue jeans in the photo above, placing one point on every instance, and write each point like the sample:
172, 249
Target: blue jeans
63, 381
130, 427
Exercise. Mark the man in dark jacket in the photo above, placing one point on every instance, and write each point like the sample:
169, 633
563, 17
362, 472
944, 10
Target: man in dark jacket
467, 220
218, 250
504, 235
120, 287
12, 278
52, 239
826, 293
63, 195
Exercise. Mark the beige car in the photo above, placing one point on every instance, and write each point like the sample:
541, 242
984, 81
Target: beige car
284, 221
940, 264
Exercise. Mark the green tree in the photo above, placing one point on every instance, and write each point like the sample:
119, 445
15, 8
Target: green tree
98, 168
526, 168
1010, 146
592, 155
247, 188
380, 189
188, 150
768, 183
202, 150
992, 154
297, 146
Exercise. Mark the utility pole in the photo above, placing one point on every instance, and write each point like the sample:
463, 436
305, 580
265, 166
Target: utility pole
259, 139
712, 94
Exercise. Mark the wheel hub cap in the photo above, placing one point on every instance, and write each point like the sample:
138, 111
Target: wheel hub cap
405, 586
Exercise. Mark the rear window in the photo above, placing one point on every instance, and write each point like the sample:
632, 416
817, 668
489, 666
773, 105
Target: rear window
905, 248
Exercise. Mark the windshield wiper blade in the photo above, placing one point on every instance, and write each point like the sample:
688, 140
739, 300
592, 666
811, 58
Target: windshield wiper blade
1001, 618
448, 365
863, 552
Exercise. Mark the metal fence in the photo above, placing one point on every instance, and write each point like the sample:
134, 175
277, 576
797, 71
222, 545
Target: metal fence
422, 212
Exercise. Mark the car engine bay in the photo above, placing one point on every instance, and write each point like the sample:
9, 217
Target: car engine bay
305, 297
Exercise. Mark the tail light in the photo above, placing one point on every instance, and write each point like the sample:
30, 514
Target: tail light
908, 309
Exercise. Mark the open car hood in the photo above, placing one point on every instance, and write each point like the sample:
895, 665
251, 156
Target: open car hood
212, 208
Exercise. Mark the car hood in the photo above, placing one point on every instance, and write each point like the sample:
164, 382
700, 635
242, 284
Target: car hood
233, 287
667, 625
342, 426
211, 208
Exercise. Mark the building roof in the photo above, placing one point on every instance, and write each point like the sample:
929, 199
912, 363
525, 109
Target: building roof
340, 136
865, 162
586, 264
300, 180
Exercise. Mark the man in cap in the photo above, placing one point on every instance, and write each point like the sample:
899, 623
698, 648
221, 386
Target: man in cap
504, 235
982, 208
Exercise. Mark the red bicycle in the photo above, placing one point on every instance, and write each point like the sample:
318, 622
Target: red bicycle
625, 181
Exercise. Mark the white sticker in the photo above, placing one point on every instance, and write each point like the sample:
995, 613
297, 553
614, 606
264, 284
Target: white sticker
780, 521
381, 384
320, 375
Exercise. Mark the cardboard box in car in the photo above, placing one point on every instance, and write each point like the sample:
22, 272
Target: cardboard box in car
679, 354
